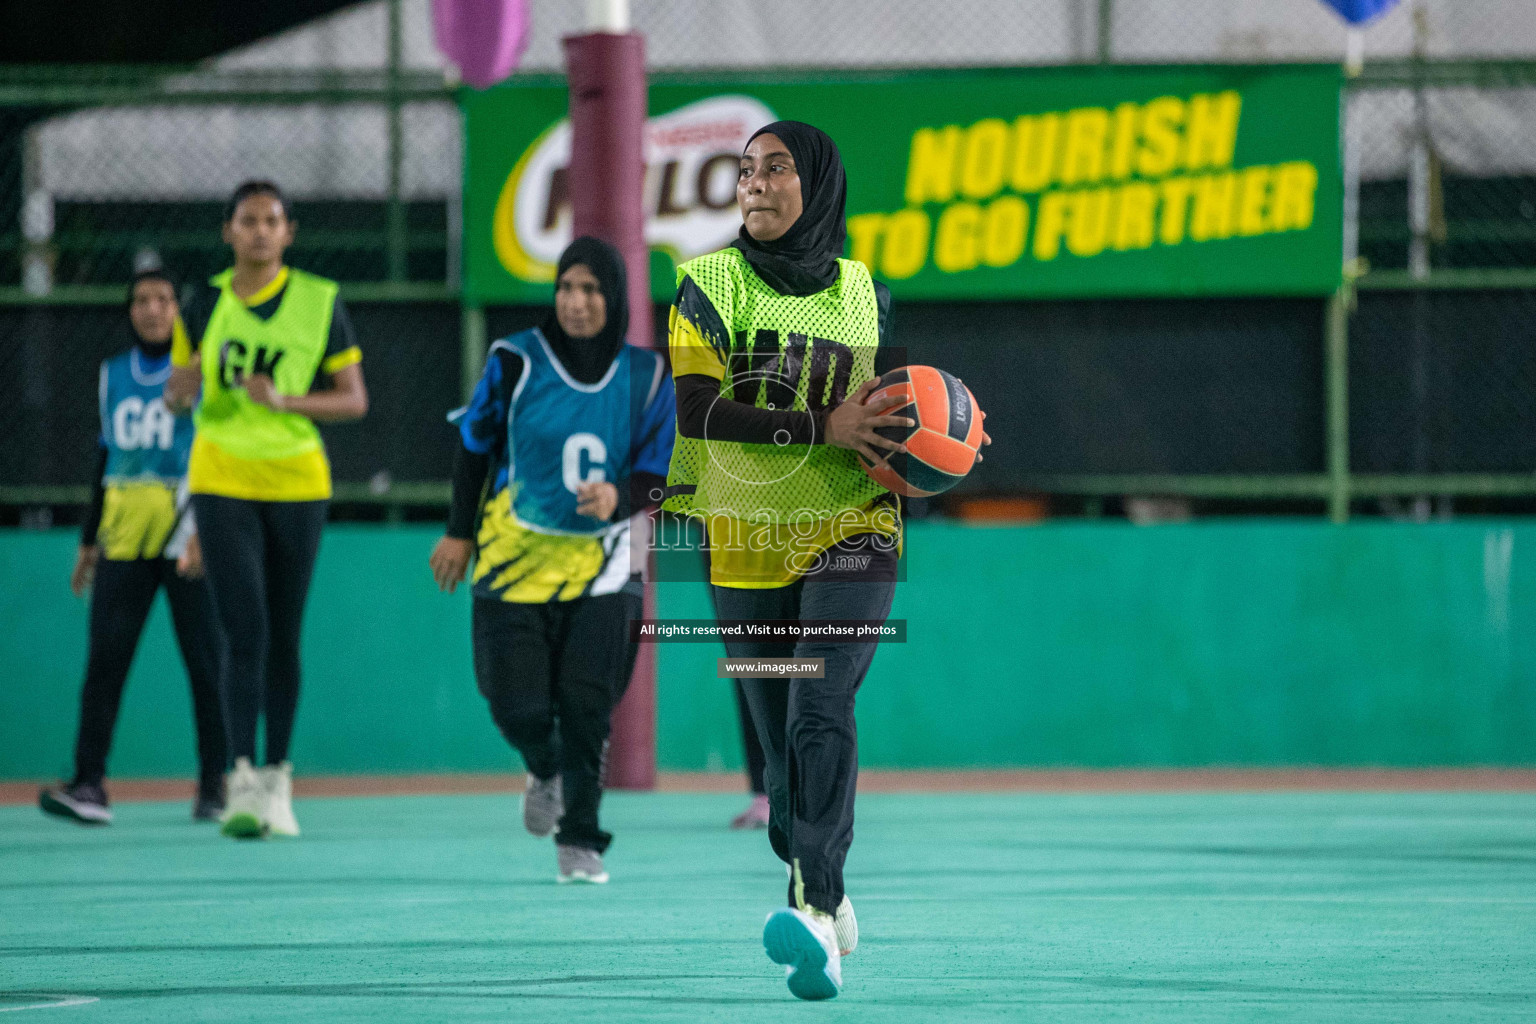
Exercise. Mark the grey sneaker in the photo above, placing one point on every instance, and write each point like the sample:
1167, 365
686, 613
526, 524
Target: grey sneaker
209, 805
579, 864
85, 802
542, 805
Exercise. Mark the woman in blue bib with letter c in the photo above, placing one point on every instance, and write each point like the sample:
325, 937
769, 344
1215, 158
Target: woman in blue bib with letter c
568, 434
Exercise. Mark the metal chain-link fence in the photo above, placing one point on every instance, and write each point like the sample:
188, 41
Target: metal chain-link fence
1244, 31
128, 186
1447, 177
104, 172
1441, 381
353, 115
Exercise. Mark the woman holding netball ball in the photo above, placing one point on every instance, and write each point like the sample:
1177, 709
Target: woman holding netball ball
773, 345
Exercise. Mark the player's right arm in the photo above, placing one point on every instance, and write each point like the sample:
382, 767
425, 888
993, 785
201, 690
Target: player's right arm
482, 437
186, 360
89, 552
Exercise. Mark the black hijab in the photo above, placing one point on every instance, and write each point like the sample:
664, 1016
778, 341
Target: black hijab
587, 359
803, 261
152, 349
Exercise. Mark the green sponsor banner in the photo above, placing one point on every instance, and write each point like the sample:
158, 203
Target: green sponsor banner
1027, 183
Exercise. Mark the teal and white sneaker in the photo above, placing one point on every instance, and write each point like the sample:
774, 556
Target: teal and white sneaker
245, 803
805, 942
844, 924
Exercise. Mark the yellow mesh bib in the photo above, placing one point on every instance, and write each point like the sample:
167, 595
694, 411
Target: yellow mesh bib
782, 352
288, 346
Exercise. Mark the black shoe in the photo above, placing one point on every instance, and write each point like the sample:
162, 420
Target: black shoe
85, 802
209, 804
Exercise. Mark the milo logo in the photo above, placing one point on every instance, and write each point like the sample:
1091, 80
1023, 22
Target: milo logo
692, 157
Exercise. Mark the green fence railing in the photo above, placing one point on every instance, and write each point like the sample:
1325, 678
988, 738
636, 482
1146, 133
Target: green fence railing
1454, 261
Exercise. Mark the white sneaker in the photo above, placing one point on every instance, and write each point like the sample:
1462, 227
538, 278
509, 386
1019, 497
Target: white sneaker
277, 780
805, 942
245, 802
846, 926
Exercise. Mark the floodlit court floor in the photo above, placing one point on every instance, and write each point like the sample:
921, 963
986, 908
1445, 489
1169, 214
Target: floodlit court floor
1059, 907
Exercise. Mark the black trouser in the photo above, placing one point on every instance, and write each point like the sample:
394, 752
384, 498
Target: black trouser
552, 674
749, 742
120, 602
806, 726
259, 557
750, 745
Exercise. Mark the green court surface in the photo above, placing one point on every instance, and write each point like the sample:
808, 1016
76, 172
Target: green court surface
1306, 907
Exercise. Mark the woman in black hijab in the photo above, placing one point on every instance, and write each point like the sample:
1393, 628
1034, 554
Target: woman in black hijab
588, 357
774, 344
568, 433
802, 261
802, 258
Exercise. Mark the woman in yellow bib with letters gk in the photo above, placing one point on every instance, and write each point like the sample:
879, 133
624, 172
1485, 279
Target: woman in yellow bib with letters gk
274, 354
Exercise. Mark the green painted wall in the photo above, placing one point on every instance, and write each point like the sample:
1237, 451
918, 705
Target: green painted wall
1224, 642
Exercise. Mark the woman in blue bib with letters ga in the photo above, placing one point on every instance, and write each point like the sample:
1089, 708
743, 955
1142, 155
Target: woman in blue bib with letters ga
138, 537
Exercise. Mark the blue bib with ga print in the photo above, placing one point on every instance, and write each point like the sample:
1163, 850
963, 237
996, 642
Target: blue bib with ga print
144, 440
562, 433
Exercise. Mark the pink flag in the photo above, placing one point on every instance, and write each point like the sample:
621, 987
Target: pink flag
484, 38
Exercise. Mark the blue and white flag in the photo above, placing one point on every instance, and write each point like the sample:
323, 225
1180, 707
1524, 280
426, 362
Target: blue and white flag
1359, 12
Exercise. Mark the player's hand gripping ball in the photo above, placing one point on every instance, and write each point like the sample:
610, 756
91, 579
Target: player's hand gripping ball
945, 443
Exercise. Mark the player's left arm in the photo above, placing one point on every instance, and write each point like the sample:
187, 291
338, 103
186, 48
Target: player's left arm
346, 398
651, 452
482, 435
887, 356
